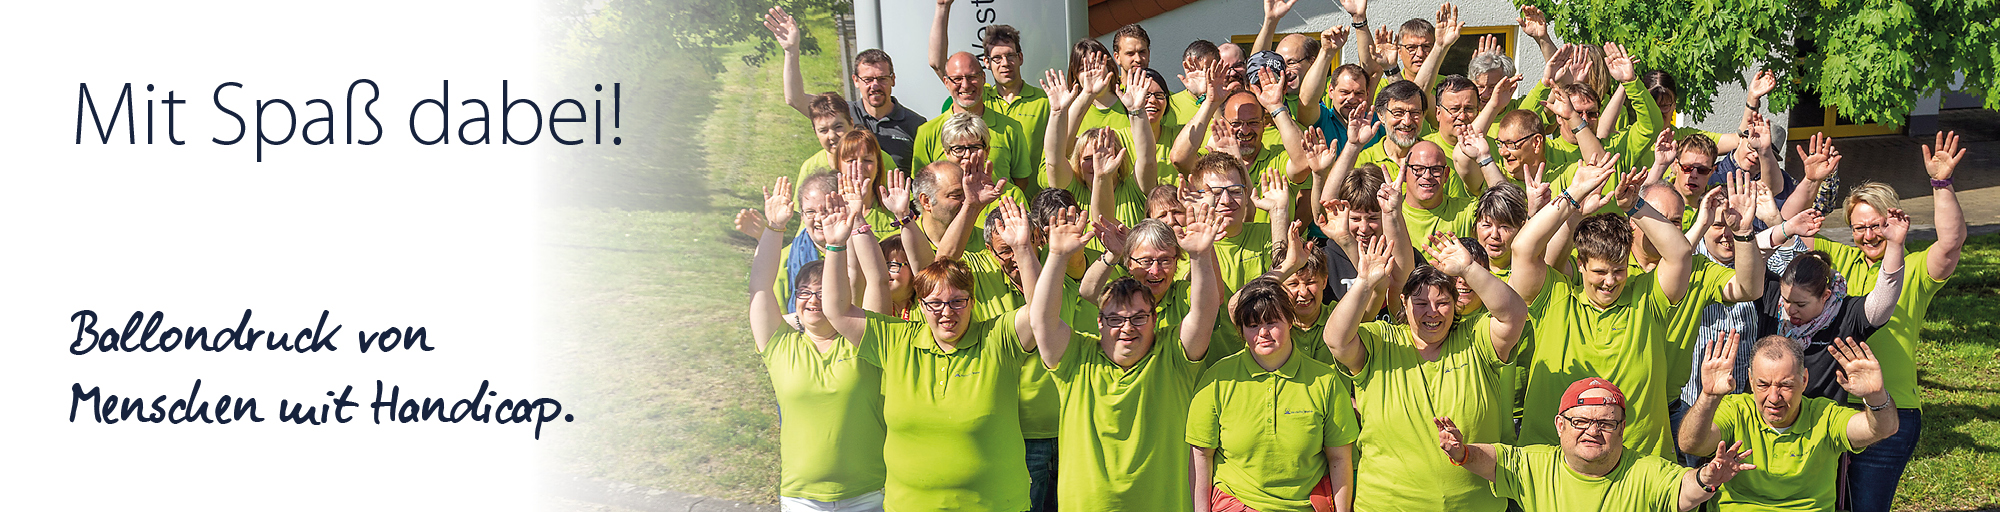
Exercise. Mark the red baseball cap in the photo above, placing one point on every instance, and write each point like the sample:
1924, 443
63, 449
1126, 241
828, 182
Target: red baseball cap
1574, 397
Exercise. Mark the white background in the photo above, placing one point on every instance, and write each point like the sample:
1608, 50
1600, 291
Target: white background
394, 234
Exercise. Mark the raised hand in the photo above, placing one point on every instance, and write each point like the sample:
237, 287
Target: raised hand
783, 28
1767, 206
1094, 76
1805, 224
1111, 234
1472, 144
1742, 202
1360, 130
1590, 176
1447, 254
1222, 140
751, 223
1715, 202
1448, 25
1376, 258
1718, 364
1134, 95
837, 222
1294, 248
1450, 439
1270, 89
1333, 38
895, 194
1727, 463
1940, 162
778, 203
1067, 232
1896, 227
1332, 220
1536, 186
1620, 64
1319, 153
1215, 74
1061, 92
1105, 166
1533, 23
1196, 77
1665, 150
1274, 9
1559, 72
1385, 45
1760, 133
1204, 226
1761, 86
1015, 229
1860, 374
1558, 104
1627, 193
1272, 192
1390, 196
854, 187
980, 187
1488, 44
1358, 9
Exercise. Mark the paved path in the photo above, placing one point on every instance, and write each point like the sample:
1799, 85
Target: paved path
1897, 161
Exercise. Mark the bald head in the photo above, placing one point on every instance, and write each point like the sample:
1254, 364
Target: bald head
966, 81
961, 63
1426, 153
1298, 51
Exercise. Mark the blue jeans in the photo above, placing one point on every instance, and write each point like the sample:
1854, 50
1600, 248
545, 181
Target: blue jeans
1675, 411
1873, 473
1041, 475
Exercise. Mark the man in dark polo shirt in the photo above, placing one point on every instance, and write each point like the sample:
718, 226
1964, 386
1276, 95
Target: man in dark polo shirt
895, 127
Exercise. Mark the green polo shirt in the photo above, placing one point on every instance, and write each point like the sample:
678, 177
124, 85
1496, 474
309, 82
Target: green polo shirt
995, 297
954, 434
1378, 154
830, 450
1610, 188
1796, 468
1895, 345
1124, 431
1270, 429
1180, 109
1128, 202
1168, 312
1537, 478
1626, 343
1005, 147
1245, 256
1455, 214
1684, 323
1030, 109
1398, 392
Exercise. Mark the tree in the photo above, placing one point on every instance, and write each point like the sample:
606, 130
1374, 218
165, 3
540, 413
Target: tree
1870, 58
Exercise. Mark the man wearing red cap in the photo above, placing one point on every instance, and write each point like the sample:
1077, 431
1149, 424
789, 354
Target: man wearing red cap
1590, 471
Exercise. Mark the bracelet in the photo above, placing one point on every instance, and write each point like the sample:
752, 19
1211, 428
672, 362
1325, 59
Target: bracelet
1360, 23
1109, 260
1873, 408
1746, 238
1486, 160
1461, 458
1578, 129
1943, 183
1572, 201
1274, 112
1641, 205
835, 248
1704, 482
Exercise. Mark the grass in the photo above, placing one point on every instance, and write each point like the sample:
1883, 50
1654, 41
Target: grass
648, 280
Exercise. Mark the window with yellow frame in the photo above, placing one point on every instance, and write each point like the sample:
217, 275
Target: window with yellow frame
1810, 117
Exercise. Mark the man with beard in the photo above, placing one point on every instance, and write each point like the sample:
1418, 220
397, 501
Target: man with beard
1009, 95
1430, 208
1591, 469
1420, 47
1400, 107
876, 110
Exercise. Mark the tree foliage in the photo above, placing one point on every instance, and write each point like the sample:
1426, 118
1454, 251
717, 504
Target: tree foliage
1870, 58
624, 32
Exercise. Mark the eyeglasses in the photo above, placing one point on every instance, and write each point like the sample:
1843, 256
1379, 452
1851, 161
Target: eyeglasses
1461, 111
938, 306
1515, 145
872, 80
1695, 169
1293, 63
1232, 190
965, 79
1411, 114
1011, 58
1590, 114
1423, 48
1152, 262
1876, 227
1157, 96
1114, 321
1585, 424
806, 295
1253, 125
1425, 170
965, 150
896, 267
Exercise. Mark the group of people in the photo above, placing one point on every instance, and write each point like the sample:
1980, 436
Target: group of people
1380, 288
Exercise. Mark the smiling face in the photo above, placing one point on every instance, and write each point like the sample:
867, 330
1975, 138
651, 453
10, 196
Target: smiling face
1721, 242
1456, 108
1154, 268
1424, 174
1603, 281
1350, 96
1268, 337
1779, 385
1867, 222
1156, 102
947, 324
1293, 49
1467, 301
1246, 123
950, 194
900, 273
1429, 312
1304, 289
813, 206
806, 301
1365, 226
1495, 237
966, 81
1129, 341
1593, 443
1518, 150
1232, 204
829, 129
1405, 120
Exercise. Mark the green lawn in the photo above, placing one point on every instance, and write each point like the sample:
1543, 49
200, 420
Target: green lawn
648, 285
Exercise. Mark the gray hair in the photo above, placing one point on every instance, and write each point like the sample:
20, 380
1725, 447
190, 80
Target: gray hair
1153, 234
925, 183
962, 126
1777, 348
1490, 61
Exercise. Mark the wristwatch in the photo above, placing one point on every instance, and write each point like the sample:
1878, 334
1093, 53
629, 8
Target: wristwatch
1873, 408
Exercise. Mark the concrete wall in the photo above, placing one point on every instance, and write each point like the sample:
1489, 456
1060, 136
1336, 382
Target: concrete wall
902, 28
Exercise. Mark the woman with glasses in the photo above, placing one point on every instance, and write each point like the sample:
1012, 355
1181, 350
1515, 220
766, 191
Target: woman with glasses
950, 389
1271, 428
829, 443
1125, 401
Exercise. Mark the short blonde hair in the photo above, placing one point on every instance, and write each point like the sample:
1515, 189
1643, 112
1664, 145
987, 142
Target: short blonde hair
1876, 194
962, 126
